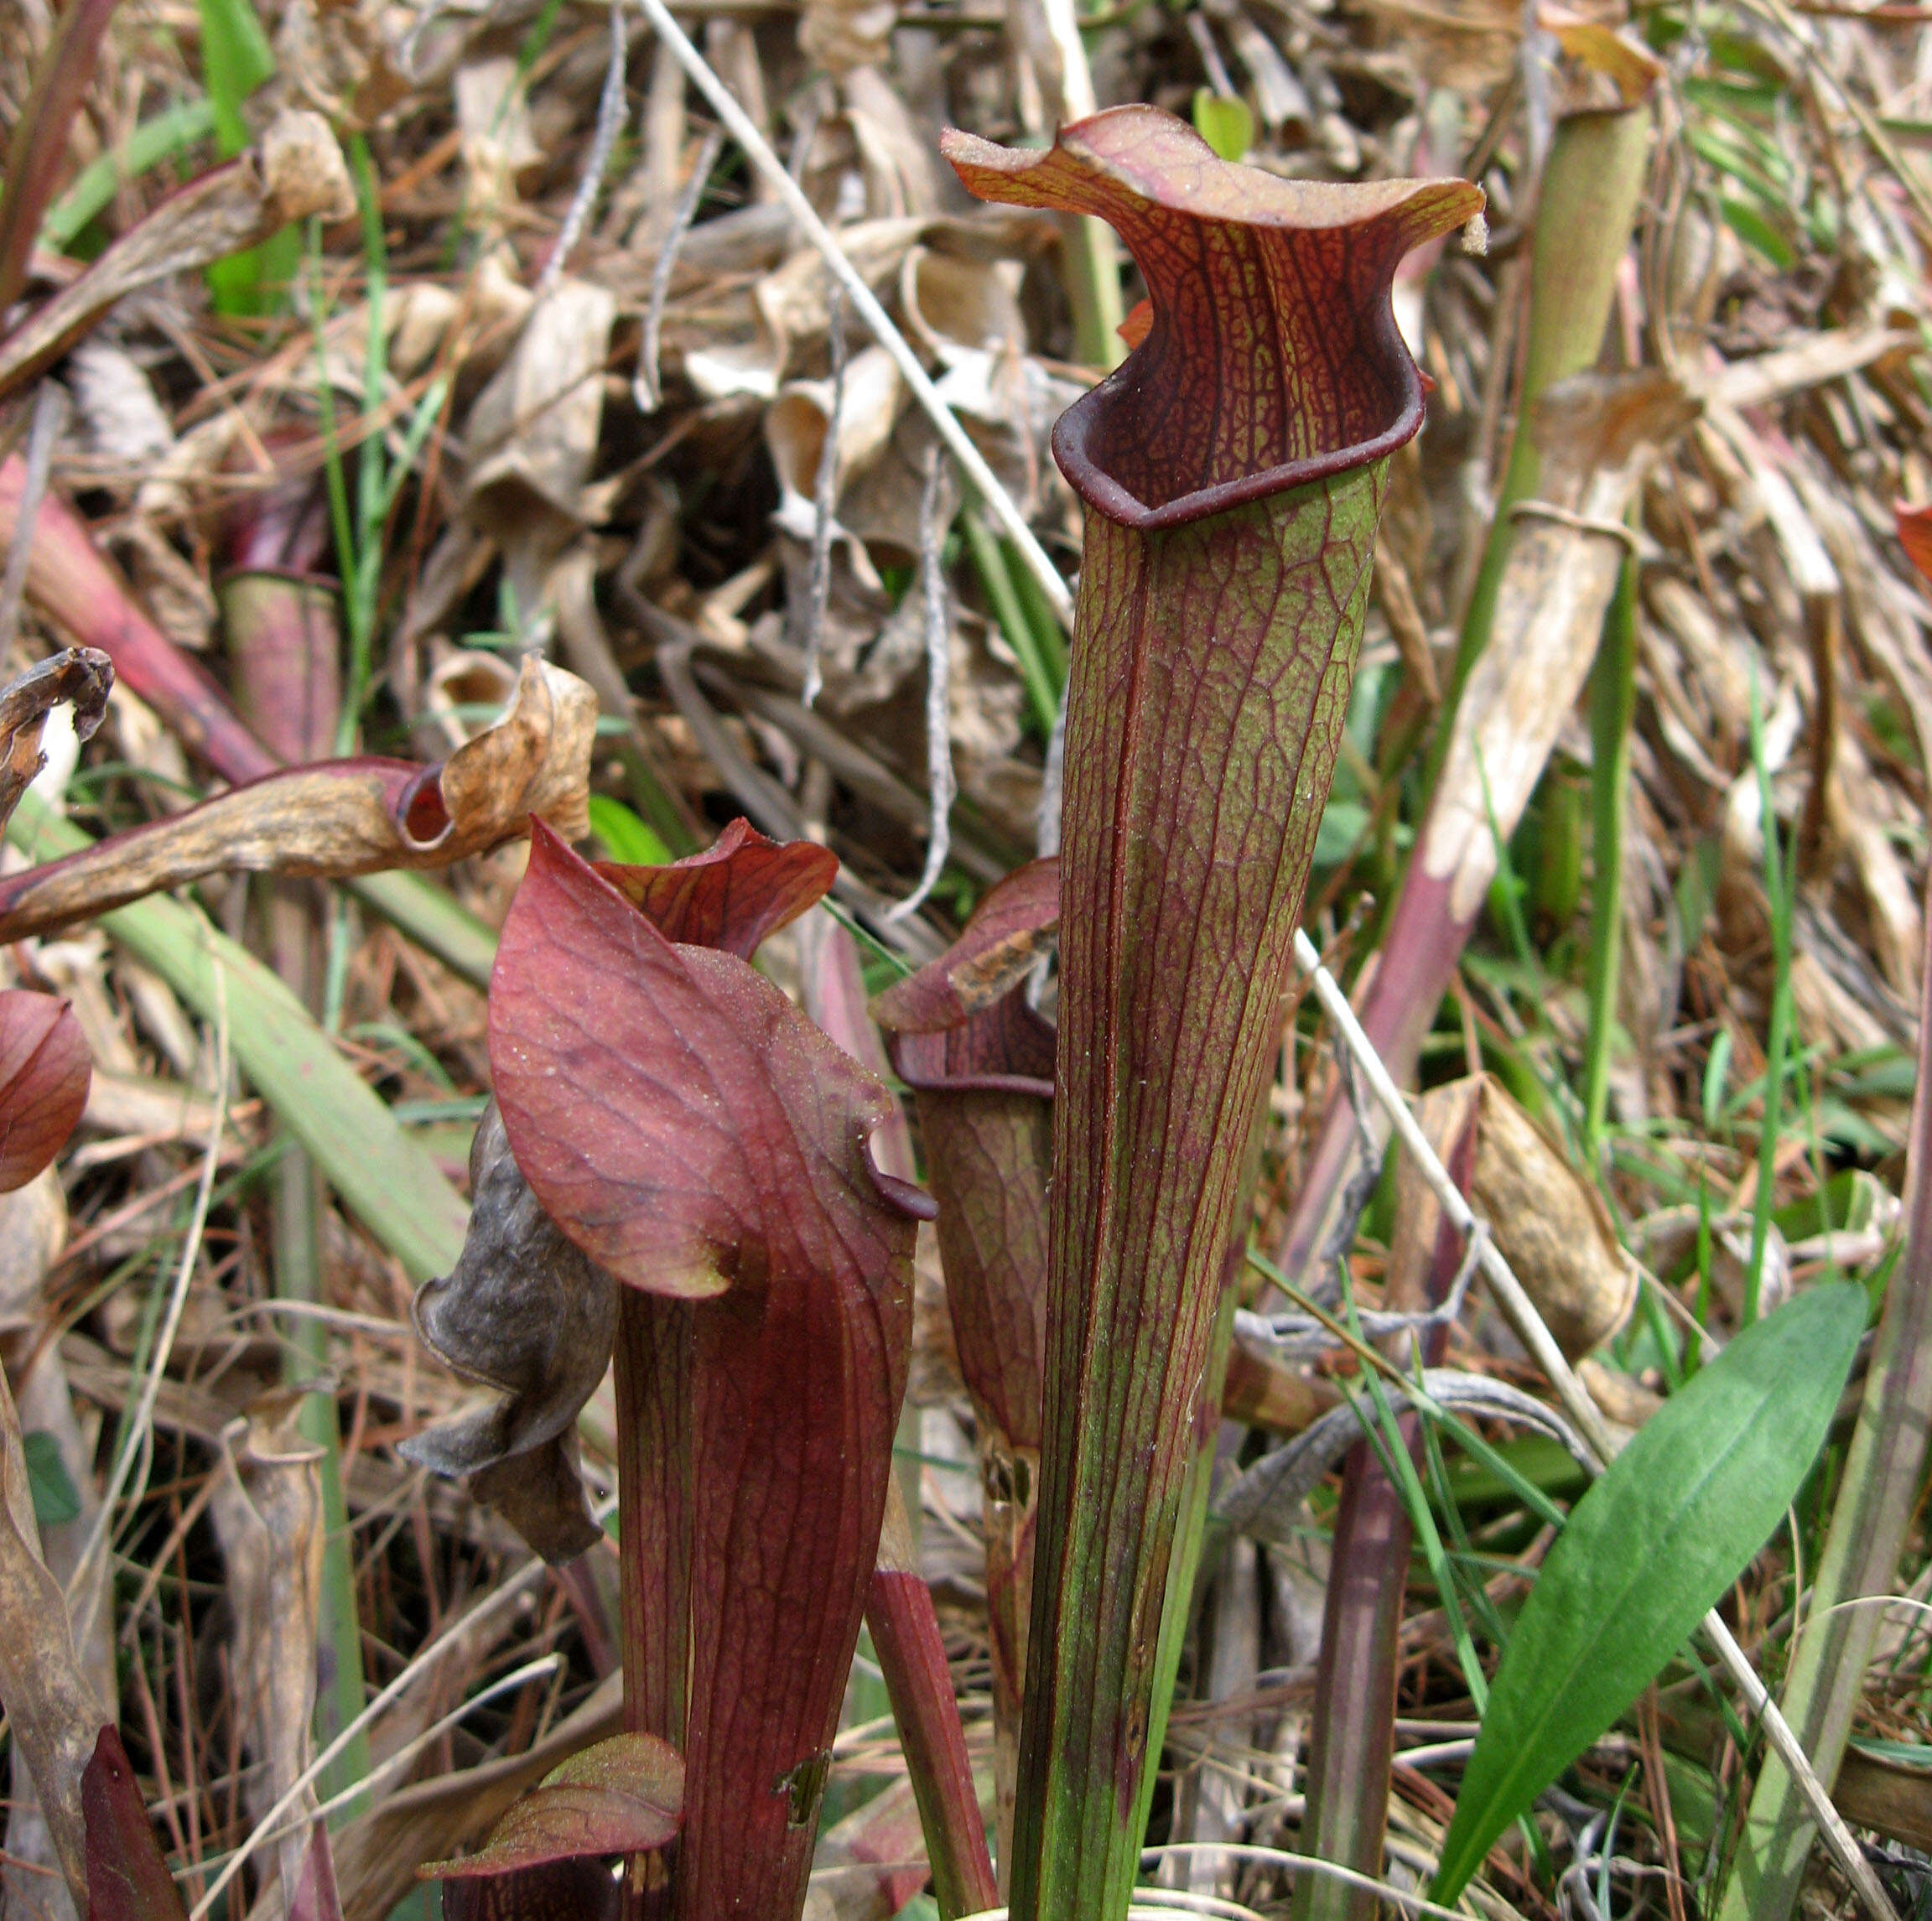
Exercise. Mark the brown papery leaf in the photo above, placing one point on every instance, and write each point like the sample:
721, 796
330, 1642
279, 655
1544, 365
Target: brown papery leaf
295, 171
268, 1516
622, 1796
343, 818
527, 1314
80, 677
53, 1714
44, 1072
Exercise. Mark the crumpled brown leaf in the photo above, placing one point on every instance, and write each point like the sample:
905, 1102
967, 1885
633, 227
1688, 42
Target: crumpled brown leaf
268, 1516
526, 1315
55, 1717
1549, 1221
80, 677
341, 817
295, 170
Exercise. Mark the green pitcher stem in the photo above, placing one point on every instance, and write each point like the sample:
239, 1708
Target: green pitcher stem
1210, 678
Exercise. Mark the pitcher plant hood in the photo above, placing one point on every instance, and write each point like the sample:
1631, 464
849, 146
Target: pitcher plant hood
1272, 356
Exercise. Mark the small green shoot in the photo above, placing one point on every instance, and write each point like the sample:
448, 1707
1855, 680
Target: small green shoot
628, 839
236, 60
1702, 1485
167, 135
1225, 122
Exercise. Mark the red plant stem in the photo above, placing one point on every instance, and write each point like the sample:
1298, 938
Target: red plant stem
1352, 1747
1414, 967
906, 1637
1351, 1739
653, 1444
76, 590
39, 149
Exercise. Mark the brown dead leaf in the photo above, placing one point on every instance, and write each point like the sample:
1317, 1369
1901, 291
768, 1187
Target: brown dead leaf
55, 1717
295, 170
342, 817
531, 1320
80, 677
1548, 1222
268, 1515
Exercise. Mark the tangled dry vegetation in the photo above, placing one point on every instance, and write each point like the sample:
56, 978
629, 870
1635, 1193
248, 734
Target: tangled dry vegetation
548, 369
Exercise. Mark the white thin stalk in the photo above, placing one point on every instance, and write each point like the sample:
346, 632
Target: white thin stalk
603, 144
759, 151
507, 1591
1520, 1312
941, 784
396, 1762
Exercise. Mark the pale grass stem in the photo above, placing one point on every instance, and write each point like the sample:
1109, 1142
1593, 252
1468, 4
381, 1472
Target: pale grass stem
140, 1441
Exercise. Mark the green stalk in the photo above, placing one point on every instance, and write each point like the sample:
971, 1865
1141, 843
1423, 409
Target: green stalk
339, 1693
167, 134
382, 1175
1613, 704
1092, 264
1177, 1605
360, 560
282, 638
996, 581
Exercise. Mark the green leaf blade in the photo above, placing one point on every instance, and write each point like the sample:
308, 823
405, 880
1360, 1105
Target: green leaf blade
1647, 1552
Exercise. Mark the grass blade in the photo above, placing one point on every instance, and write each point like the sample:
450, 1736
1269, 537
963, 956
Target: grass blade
1877, 1493
1701, 1486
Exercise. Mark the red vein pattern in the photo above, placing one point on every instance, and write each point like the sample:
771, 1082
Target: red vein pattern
697, 1137
1234, 469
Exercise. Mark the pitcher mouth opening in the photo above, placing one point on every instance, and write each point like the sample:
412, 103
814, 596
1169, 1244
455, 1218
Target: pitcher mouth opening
1271, 357
1080, 434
